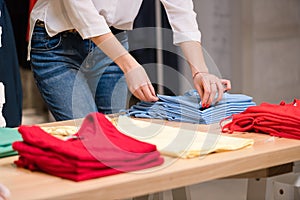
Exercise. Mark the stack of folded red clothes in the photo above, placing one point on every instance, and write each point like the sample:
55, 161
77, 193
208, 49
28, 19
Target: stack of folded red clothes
281, 120
97, 149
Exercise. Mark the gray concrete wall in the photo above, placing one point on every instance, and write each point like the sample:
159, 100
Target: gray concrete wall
276, 57
255, 43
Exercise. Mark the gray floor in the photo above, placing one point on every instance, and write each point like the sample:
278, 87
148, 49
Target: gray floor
225, 189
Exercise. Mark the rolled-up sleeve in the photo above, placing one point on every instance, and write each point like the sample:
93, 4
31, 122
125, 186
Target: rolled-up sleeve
182, 19
85, 18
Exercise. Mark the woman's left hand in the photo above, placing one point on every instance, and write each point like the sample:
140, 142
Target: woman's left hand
208, 85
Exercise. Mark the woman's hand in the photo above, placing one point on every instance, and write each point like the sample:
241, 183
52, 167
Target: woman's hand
4, 192
136, 77
208, 85
139, 84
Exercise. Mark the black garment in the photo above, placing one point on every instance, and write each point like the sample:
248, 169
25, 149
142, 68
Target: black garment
146, 18
9, 71
19, 15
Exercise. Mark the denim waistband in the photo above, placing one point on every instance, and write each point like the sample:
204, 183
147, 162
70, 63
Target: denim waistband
115, 31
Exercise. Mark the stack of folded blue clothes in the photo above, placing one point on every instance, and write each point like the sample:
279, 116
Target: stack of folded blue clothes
187, 108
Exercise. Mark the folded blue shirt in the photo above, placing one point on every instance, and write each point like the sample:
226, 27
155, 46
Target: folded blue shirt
187, 108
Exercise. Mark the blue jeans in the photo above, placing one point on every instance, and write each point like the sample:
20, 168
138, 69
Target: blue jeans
74, 76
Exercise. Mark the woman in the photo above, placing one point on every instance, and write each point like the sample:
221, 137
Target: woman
73, 81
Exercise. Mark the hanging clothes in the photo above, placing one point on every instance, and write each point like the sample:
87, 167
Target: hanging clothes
31, 5
9, 71
18, 11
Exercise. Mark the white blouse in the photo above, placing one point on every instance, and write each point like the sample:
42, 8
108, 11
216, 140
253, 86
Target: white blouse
94, 17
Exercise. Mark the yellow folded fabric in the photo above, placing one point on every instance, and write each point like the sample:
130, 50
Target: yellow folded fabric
61, 132
179, 141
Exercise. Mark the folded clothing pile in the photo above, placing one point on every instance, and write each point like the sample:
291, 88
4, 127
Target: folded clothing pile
180, 142
281, 120
7, 137
187, 108
97, 149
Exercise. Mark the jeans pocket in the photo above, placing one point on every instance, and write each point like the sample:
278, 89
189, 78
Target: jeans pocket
41, 41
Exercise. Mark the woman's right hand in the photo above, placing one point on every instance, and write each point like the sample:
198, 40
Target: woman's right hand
139, 84
136, 77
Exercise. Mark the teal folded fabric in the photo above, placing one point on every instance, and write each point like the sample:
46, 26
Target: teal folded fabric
7, 137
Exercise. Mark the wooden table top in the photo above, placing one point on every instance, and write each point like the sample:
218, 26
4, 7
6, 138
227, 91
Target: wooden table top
266, 152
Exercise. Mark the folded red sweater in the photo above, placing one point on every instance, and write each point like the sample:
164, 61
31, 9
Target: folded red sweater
99, 150
66, 164
33, 166
281, 120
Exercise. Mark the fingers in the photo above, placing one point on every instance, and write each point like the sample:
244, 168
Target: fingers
139, 94
211, 93
200, 91
152, 90
208, 86
206, 93
146, 93
227, 84
149, 93
4, 192
140, 85
220, 89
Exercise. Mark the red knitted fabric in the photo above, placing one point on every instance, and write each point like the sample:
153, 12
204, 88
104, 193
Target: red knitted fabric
281, 120
54, 159
100, 150
31, 5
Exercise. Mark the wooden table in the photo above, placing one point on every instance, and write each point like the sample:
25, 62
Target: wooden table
267, 152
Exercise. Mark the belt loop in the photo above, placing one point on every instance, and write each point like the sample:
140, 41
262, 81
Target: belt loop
115, 31
40, 23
